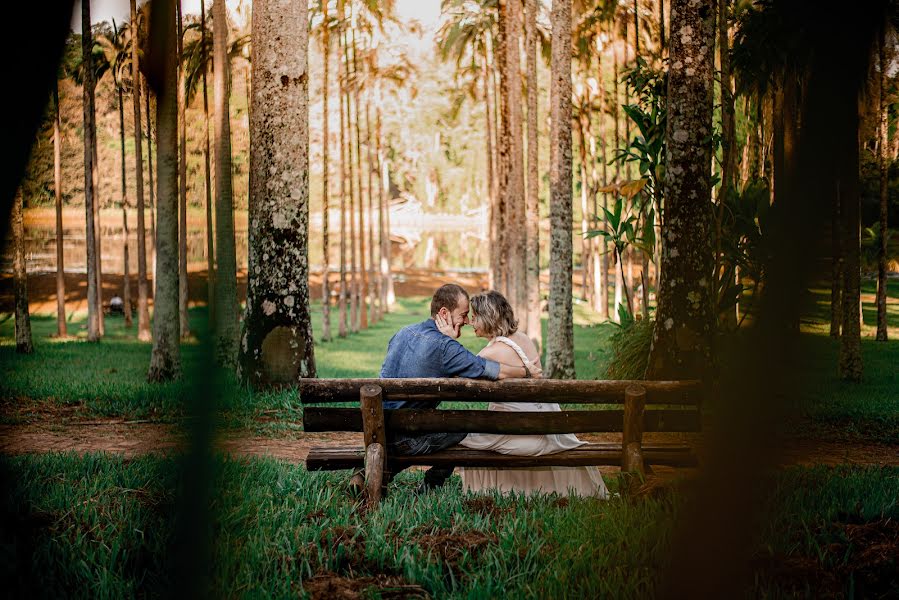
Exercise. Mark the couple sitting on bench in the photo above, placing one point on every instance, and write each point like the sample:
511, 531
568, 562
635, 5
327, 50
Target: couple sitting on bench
430, 349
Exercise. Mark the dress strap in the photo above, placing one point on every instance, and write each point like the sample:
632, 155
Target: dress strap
528, 365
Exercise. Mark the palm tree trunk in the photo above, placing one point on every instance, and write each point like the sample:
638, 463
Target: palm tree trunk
375, 310
836, 263
560, 337
682, 336
182, 184
586, 272
165, 360
850, 361
490, 171
532, 250
98, 224
341, 92
503, 148
210, 246
619, 280
143, 312
662, 44
126, 279
383, 189
353, 284
603, 305
93, 324
61, 329
227, 315
24, 344
152, 189
326, 143
363, 272
884, 196
277, 345
512, 189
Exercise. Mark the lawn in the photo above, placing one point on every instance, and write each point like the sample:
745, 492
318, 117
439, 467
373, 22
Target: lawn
102, 527
108, 379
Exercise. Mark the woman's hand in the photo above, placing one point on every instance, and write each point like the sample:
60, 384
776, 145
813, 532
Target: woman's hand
444, 326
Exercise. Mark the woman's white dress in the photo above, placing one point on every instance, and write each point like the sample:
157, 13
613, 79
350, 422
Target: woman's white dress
583, 481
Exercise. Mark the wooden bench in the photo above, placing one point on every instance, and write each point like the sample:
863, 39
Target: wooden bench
642, 406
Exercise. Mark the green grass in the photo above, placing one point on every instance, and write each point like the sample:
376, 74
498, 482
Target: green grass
109, 378
101, 527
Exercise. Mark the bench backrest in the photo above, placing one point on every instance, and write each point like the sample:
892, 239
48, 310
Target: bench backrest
682, 400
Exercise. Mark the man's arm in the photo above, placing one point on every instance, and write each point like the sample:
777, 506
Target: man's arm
510, 372
459, 362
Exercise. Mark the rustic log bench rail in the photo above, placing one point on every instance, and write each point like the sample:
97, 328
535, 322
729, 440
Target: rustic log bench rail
671, 406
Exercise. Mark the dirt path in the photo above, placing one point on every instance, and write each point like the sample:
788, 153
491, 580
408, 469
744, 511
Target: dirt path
134, 438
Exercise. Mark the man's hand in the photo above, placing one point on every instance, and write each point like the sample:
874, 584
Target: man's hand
509, 372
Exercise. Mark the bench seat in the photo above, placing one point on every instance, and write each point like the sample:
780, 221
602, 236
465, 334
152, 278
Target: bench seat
602, 454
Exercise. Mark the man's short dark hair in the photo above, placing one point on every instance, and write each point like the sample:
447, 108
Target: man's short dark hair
447, 295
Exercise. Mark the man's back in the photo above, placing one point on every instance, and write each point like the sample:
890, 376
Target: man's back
420, 350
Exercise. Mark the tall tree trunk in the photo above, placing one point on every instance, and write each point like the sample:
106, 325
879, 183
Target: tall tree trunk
165, 360
586, 258
373, 261
836, 263
182, 183
884, 195
850, 361
93, 323
619, 271
728, 151
61, 329
277, 344
152, 189
503, 157
341, 93
210, 245
491, 167
24, 344
511, 187
126, 279
351, 196
226, 306
662, 44
532, 250
383, 190
560, 331
143, 312
603, 306
326, 167
363, 271
682, 337
98, 224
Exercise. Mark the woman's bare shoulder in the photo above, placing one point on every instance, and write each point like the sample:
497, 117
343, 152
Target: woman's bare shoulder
526, 344
500, 353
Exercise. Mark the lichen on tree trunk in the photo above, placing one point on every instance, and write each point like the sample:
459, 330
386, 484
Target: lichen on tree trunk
682, 337
24, 343
560, 332
276, 343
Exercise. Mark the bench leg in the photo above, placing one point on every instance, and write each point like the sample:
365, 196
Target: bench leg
374, 472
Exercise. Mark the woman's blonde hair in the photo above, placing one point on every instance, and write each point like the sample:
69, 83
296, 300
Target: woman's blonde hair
495, 314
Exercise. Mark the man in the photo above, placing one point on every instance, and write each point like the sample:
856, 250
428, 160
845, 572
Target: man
423, 350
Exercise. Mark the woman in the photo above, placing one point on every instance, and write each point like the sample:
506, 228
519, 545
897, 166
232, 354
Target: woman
492, 318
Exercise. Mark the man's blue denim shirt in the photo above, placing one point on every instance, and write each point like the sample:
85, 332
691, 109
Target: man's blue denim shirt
420, 350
